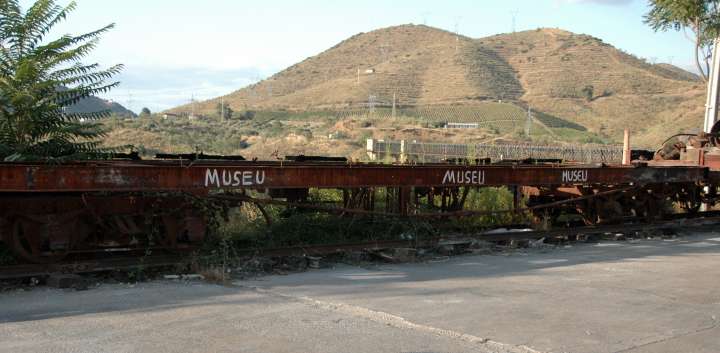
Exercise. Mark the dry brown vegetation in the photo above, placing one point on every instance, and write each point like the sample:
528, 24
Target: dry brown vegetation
276, 134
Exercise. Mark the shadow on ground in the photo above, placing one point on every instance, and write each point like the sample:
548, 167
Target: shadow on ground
373, 282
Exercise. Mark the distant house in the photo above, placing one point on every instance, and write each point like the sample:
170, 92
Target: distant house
462, 125
369, 71
171, 115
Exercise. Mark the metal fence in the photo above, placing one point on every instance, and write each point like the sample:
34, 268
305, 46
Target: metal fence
380, 150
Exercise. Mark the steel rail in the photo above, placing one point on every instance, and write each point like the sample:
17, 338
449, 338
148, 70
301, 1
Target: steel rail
696, 221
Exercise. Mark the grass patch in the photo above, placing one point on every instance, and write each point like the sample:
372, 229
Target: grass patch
245, 227
552, 121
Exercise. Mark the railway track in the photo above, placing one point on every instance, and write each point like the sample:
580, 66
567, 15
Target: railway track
697, 221
89, 266
700, 221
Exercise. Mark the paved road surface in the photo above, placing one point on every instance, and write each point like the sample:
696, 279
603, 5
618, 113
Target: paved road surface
647, 296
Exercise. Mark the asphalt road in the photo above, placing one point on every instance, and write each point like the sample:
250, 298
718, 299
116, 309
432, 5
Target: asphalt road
646, 296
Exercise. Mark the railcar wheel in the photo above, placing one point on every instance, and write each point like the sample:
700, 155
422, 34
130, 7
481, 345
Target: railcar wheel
689, 199
181, 232
30, 241
690, 206
601, 210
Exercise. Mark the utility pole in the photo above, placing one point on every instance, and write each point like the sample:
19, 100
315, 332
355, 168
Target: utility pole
192, 106
222, 108
528, 122
393, 106
358, 76
384, 52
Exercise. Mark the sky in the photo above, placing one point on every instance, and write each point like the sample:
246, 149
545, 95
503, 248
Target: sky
174, 50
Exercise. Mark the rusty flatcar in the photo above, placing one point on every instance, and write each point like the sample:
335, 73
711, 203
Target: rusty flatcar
49, 211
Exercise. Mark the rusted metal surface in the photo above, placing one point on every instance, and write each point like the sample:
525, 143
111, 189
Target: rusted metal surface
201, 178
404, 212
50, 211
44, 228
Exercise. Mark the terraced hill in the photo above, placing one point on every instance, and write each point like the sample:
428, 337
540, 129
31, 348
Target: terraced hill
555, 68
419, 65
574, 80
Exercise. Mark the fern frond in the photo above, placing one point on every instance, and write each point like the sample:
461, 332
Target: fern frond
38, 82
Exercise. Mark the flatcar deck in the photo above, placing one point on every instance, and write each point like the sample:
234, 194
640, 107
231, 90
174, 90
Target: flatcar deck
205, 176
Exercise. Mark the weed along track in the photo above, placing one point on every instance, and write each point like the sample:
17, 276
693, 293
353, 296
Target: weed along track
99, 262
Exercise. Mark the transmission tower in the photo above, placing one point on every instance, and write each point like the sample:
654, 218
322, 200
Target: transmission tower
424, 17
129, 100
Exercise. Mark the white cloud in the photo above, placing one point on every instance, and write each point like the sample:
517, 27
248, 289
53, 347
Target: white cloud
164, 88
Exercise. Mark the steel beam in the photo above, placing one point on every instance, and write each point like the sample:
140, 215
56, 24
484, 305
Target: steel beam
204, 177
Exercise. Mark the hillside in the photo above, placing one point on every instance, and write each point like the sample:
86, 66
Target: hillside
575, 79
95, 104
554, 67
419, 65
275, 133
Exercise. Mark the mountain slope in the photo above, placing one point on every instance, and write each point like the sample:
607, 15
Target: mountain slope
577, 78
555, 66
418, 64
95, 104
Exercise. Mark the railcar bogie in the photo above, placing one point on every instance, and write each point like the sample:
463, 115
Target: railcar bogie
46, 227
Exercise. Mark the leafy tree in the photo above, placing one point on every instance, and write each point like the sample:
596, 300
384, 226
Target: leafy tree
588, 91
701, 17
247, 115
145, 112
224, 109
40, 78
